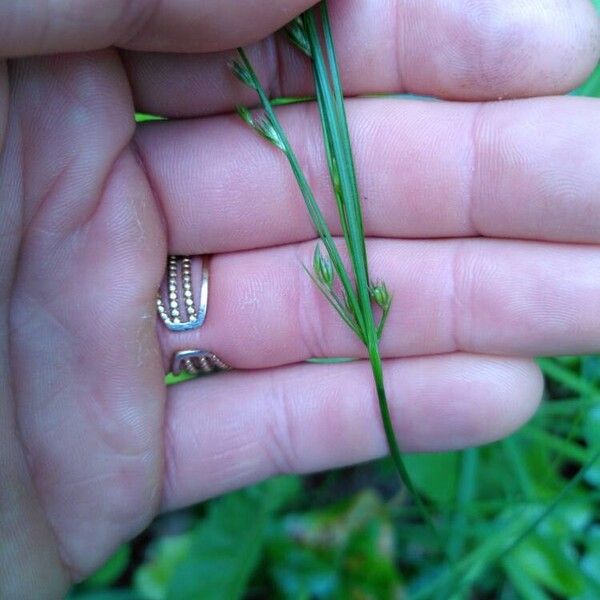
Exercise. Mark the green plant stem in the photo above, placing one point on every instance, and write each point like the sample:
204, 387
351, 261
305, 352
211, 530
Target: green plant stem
314, 211
360, 295
377, 368
466, 492
287, 100
337, 138
519, 469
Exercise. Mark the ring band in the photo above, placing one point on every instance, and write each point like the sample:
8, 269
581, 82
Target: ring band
183, 314
195, 362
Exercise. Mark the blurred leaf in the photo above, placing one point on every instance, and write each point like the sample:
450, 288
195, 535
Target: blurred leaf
570, 518
435, 475
592, 86
549, 564
224, 551
216, 559
523, 584
343, 551
590, 367
590, 563
152, 579
591, 433
109, 594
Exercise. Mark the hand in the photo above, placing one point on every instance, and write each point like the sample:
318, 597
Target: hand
482, 217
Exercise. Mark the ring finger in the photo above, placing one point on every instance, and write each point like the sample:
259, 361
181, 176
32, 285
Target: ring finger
473, 295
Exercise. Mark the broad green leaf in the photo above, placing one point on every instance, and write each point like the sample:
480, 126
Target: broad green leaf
216, 558
152, 579
549, 564
224, 551
435, 475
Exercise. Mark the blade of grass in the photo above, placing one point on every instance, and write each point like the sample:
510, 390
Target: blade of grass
564, 447
496, 547
522, 583
519, 469
554, 370
467, 486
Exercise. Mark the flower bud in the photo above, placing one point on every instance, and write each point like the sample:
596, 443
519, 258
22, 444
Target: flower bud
322, 268
381, 296
245, 114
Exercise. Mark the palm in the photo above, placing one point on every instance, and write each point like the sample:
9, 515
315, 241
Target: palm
86, 370
96, 443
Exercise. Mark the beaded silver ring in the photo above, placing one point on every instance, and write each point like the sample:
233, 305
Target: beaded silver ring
180, 311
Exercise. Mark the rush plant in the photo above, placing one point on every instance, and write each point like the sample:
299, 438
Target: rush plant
352, 292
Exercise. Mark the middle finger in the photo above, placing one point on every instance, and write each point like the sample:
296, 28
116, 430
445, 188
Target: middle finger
523, 169
475, 295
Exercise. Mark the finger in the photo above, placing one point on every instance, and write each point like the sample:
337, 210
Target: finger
458, 49
228, 431
523, 169
41, 27
480, 296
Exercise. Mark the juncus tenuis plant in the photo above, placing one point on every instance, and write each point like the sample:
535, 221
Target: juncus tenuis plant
92, 443
357, 294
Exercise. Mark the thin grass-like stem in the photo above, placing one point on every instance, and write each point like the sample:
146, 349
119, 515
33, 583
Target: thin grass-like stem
314, 38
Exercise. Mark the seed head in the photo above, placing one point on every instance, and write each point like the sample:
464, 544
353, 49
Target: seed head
242, 73
297, 35
381, 295
269, 132
245, 114
322, 268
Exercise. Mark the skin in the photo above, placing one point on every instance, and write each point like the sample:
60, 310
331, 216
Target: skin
483, 219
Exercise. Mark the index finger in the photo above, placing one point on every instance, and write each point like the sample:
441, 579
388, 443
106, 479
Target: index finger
45, 27
450, 49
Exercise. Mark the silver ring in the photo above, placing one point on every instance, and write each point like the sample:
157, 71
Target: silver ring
180, 310
195, 362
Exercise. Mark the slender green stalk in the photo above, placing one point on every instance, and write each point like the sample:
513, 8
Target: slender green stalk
467, 484
357, 294
554, 370
287, 100
518, 467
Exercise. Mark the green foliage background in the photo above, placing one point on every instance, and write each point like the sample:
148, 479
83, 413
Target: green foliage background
520, 519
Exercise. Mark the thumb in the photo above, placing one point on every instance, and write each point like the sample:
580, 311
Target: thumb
54, 26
